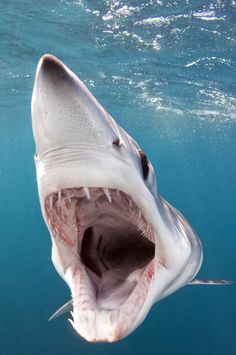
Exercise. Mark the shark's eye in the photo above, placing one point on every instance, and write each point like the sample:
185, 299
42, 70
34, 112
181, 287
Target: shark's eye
144, 163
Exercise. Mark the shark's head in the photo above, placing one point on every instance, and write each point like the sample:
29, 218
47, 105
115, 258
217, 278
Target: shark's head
116, 243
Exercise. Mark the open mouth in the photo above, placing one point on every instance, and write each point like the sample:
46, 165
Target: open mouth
114, 249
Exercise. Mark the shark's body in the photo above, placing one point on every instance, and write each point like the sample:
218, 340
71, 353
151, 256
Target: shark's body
117, 244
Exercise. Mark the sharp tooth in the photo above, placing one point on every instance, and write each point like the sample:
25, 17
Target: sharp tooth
139, 214
107, 193
59, 197
130, 203
118, 193
86, 191
50, 202
68, 196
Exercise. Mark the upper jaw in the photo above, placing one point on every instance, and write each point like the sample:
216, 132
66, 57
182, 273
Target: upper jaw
54, 175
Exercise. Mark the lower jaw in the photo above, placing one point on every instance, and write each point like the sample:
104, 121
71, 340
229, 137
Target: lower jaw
97, 324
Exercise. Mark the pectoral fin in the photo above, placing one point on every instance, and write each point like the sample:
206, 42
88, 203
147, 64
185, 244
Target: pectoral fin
210, 282
67, 307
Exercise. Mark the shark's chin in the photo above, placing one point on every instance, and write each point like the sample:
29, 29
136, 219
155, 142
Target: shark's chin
112, 250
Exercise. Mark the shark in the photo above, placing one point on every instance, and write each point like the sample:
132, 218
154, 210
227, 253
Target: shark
116, 243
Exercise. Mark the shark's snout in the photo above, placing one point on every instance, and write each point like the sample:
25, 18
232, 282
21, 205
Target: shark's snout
55, 73
50, 65
67, 113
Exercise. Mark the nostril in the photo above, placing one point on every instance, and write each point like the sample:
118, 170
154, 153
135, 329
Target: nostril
117, 142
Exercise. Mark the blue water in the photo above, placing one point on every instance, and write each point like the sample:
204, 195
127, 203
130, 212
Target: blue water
166, 70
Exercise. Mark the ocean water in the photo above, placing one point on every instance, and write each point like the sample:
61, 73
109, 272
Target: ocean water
166, 71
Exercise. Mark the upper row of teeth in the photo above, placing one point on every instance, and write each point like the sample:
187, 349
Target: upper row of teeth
87, 194
109, 198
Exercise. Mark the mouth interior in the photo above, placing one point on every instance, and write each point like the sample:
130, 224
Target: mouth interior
109, 235
115, 255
